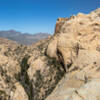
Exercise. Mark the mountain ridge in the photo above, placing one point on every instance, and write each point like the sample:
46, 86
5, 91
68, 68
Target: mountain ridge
23, 38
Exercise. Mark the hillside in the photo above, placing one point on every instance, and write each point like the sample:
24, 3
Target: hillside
65, 66
23, 38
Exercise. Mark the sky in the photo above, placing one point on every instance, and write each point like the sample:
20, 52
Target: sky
35, 16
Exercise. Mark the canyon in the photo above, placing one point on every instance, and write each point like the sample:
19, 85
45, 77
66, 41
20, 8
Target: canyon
65, 66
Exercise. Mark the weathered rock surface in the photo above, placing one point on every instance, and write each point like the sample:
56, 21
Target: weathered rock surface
78, 42
26, 72
65, 66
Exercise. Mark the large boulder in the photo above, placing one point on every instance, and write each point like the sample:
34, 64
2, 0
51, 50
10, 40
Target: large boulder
78, 32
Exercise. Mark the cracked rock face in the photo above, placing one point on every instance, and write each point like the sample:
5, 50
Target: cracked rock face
80, 32
78, 45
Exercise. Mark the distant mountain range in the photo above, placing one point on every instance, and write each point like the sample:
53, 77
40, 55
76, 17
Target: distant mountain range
23, 38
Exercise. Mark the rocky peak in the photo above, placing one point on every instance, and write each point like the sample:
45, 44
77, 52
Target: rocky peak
77, 43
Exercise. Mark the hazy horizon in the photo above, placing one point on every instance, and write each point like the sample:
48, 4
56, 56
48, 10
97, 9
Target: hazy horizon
34, 16
25, 32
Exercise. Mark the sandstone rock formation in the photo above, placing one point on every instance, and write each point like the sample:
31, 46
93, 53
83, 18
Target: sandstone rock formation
78, 42
65, 66
26, 72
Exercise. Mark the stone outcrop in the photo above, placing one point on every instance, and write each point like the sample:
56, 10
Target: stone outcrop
65, 66
80, 32
78, 43
59, 24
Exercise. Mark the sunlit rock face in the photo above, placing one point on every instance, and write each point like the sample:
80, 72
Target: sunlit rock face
77, 46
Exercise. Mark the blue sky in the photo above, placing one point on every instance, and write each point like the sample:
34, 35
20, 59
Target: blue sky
35, 16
